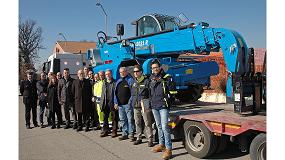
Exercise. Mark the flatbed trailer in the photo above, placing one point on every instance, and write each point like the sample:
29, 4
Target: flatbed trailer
206, 128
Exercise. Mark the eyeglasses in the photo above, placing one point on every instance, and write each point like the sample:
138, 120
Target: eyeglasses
136, 71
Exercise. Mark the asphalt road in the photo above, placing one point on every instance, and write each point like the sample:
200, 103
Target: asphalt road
61, 144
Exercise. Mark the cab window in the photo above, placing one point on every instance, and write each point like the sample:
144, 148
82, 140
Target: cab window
147, 25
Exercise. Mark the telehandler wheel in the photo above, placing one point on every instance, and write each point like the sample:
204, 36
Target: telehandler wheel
257, 149
199, 141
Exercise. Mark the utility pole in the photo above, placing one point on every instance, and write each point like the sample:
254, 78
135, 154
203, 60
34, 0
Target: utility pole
106, 25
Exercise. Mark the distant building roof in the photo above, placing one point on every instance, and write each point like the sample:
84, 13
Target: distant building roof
73, 46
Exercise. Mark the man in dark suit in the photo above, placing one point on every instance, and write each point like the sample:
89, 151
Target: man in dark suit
29, 91
82, 93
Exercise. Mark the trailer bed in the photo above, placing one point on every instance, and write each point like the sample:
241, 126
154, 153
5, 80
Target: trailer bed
218, 118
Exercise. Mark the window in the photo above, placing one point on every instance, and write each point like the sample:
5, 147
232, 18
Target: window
167, 22
147, 25
169, 25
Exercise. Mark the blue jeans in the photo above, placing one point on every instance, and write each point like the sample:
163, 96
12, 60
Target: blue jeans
161, 117
126, 115
43, 105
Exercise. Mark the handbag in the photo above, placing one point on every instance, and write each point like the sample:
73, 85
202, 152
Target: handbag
47, 112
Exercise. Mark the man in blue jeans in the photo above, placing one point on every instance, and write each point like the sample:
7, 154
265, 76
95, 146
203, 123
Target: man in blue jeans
122, 102
162, 89
42, 95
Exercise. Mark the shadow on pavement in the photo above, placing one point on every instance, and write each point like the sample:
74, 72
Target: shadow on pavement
179, 154
177, 148
232, 151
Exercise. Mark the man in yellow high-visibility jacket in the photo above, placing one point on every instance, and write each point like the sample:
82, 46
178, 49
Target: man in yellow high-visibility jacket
97, 87
97, 92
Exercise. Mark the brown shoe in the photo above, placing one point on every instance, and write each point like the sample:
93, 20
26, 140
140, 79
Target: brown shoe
167, 154
114, 134
158, 148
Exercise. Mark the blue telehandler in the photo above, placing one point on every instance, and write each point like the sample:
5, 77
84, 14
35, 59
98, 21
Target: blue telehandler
161, 36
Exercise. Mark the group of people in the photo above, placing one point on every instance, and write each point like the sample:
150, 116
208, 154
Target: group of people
133, 102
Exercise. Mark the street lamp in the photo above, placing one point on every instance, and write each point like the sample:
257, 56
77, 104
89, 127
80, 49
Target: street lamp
61, 34
100, 5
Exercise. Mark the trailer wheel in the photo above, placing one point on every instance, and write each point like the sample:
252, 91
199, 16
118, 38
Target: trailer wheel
222, 143
199, 141
191, 95
258, 147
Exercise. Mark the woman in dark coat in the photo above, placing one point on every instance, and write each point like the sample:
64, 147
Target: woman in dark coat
53, 104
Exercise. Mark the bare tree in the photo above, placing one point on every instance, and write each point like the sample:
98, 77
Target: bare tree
30, 42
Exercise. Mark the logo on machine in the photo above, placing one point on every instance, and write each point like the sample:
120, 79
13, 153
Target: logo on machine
141, 43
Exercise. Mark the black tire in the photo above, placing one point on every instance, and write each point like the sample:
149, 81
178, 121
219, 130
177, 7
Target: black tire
222, 143
257, 149
199, 141
191, 95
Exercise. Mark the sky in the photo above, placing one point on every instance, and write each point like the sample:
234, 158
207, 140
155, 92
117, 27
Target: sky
81, 20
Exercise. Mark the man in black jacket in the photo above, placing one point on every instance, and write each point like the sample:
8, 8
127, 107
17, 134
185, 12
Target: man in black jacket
65, 98
42, 95
122, 102
107, 105
93, 113
29, 91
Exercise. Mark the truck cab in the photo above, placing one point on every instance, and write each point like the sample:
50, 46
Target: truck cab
57, 62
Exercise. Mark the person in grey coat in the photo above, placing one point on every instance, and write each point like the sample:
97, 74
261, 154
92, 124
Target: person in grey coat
65, 98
